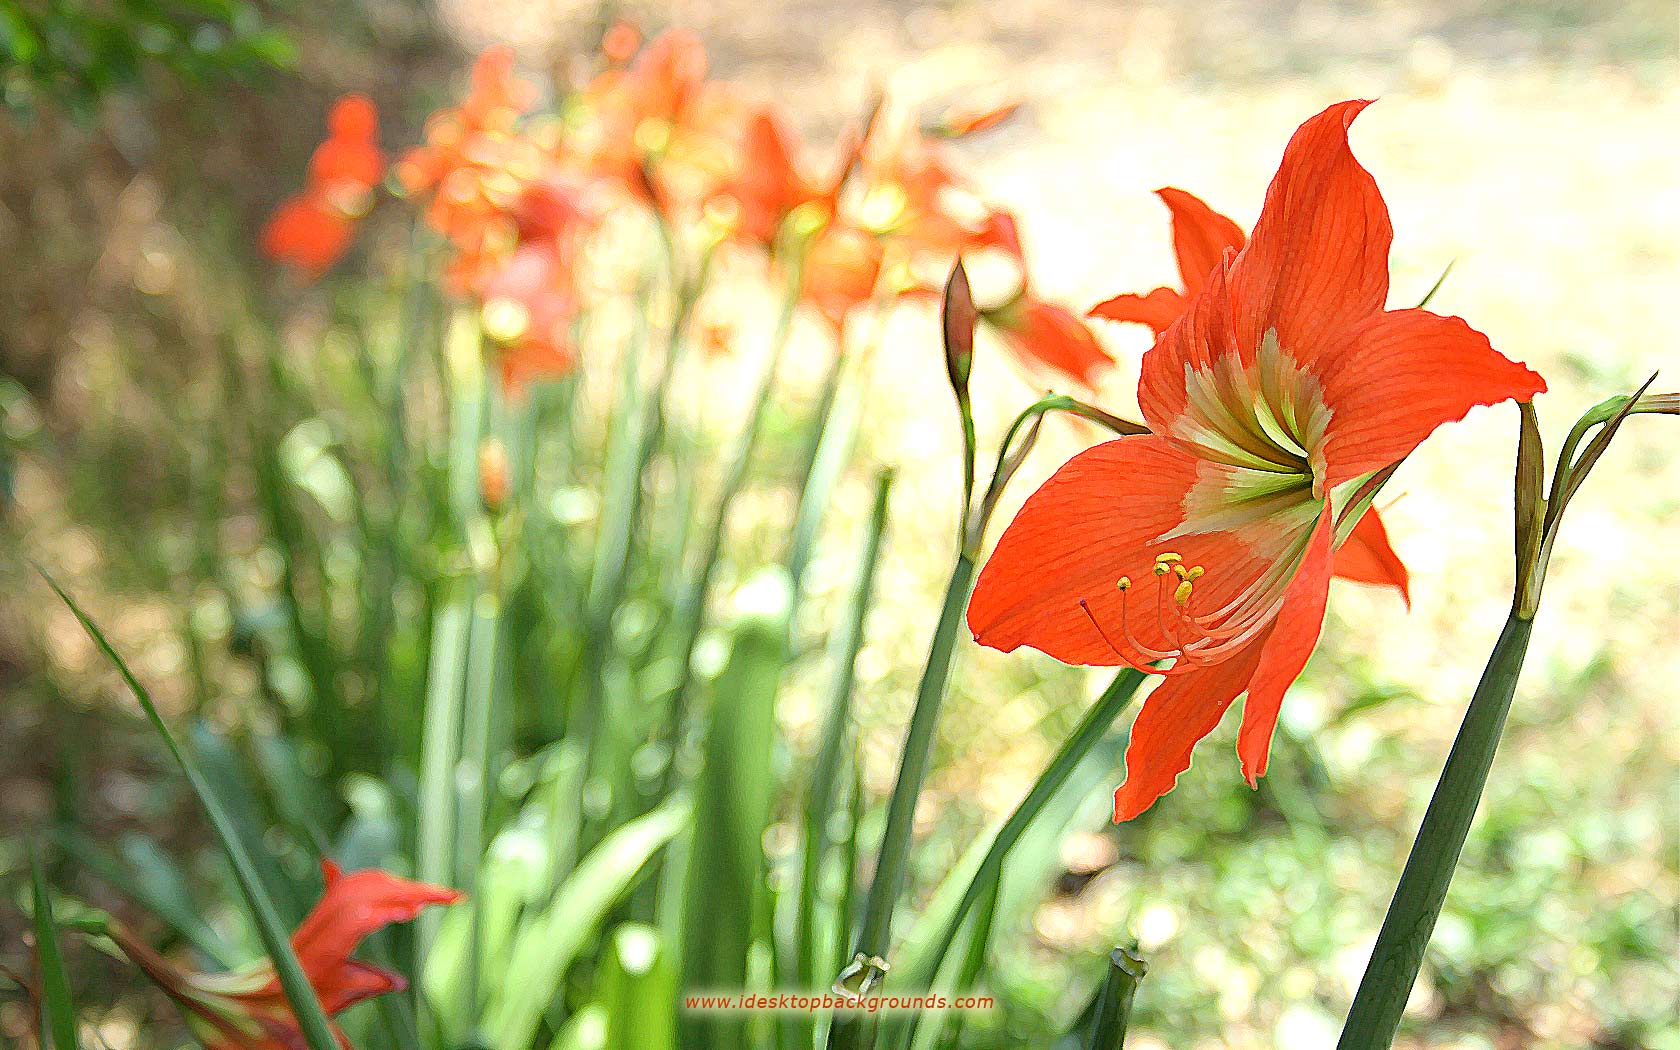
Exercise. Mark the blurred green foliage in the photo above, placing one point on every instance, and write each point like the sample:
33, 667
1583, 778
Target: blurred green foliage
75, 52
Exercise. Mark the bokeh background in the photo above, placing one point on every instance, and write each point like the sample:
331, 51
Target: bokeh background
1530, 145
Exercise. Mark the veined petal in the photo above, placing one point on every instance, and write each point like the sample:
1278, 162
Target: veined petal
1087, 526
1395, 378
1200, 236
1159, 309
1366, 556
1182, 709
1285, 651
1317, 262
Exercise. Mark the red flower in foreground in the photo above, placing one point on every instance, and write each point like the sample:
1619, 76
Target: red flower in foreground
1278, 402
312, 229
1200, 238
246, 1009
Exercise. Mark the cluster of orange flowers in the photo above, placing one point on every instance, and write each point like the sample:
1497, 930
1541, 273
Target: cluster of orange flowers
517, 194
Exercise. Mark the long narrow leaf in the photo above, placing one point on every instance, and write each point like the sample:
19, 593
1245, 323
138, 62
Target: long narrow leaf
58, 1010
312, 1020
820, 797
551, 941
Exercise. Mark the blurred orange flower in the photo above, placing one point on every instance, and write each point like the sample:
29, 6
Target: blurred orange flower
313, 228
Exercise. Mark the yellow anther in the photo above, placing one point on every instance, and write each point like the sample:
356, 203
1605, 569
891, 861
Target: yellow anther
1161, 568
1182, 594
1124, 582
1181, 572
1195, 573
1167, 558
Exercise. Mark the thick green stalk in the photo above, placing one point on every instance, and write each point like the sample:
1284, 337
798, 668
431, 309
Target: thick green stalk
875, 932
1114, 1004
1389, 976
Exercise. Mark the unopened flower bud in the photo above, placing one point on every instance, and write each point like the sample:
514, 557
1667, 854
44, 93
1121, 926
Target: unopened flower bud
493, 475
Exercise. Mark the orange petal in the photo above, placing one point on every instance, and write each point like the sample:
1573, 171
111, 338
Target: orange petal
354, 906
1366, 556
1179, 713
1401, 374
307, 233
1090, 524
1051, 336
1285, 649
1159, 309
1317, 263
1200, 236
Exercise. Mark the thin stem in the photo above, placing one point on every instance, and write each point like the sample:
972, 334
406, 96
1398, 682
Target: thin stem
875, 933
1398, 954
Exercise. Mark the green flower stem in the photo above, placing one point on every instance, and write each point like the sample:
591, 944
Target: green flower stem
876, 930
1393, 969
1090, 731
825, 774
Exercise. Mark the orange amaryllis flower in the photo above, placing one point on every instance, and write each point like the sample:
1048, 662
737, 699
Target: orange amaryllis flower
1040, 333
1279, 403
657, 126
767, 184
1201, 237
841, 267
312, 229
246, 1009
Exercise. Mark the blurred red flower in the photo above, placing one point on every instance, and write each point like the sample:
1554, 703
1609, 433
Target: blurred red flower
246, 1009
312, 229
1040, 333
1279, 401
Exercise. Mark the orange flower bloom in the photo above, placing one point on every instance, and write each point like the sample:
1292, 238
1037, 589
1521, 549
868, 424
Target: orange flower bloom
1041, 333
1200, 238
658, 127
841, 267
1279, 401
767, 184
246, 1009
312, 229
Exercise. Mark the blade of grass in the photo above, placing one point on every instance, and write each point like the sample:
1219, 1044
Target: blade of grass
733, 795
312, 1020
638, 989
58, 1010
435, 834
820, 797
551, 941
